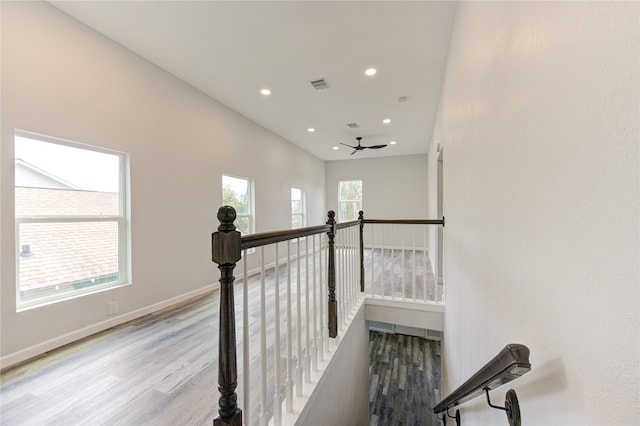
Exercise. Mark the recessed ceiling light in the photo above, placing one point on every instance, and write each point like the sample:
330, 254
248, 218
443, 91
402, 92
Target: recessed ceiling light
335, 148
371, 71
311, 130
386, 121
265, 92
393, 143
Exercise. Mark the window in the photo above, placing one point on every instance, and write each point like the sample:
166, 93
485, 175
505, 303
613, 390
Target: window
298, 209
71, 217
349, 200
237, 192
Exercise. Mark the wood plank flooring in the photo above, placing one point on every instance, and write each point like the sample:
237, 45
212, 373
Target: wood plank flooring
404, 379
404, 274
161, 369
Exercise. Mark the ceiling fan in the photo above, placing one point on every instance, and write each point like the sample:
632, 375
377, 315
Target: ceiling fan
360, 147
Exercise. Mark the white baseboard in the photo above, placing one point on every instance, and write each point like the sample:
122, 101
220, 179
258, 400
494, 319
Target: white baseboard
397, 248
425, 315
41, 348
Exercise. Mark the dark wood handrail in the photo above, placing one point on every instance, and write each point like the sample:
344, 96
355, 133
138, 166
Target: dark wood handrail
266, 238
511, 363
349, 224
407, 221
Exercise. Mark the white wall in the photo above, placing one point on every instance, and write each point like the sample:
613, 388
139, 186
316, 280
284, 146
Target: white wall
393, 187
62, 79
334, 400
539, 120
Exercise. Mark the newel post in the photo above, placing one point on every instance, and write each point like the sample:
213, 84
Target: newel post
332, 310
361, 219
225, 249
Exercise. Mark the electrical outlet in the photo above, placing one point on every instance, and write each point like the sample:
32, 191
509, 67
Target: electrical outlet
113, 308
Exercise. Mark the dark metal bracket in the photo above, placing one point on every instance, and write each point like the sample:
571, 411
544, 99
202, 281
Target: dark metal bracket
446, 414
511, 406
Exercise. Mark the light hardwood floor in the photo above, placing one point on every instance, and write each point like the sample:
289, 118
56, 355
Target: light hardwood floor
160, 369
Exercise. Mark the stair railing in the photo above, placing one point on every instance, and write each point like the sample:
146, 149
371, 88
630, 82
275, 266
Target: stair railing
308, 322
305, 339
510, 363
398, 262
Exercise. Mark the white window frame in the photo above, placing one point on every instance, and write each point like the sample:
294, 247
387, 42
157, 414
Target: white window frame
251, 201
303, 203
122, 219
341, 202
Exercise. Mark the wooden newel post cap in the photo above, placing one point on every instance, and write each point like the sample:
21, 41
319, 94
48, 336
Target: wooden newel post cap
226, 216
360, 215
225, 244
332, 216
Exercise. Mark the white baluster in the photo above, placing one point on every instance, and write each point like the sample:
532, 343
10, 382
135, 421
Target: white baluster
340, 274
344, 282
246, 356
345, 274
277, 399
354, 267
263, 343
299, 324
384, 289
373, 263
356, 263
413, 260
323, 300
307, 354
314, 335
393, 262
289, 335
424, 264
404, 291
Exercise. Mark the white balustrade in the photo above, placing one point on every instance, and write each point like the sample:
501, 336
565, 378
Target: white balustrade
399, 264
294, 320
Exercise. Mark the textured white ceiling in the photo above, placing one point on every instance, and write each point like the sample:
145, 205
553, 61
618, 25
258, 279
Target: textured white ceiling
231, 49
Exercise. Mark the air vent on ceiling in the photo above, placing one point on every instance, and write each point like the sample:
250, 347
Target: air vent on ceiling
320, 84
353, 125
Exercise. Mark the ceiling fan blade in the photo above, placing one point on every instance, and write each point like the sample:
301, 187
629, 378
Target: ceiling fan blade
375, 146
350, 146
354, 151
